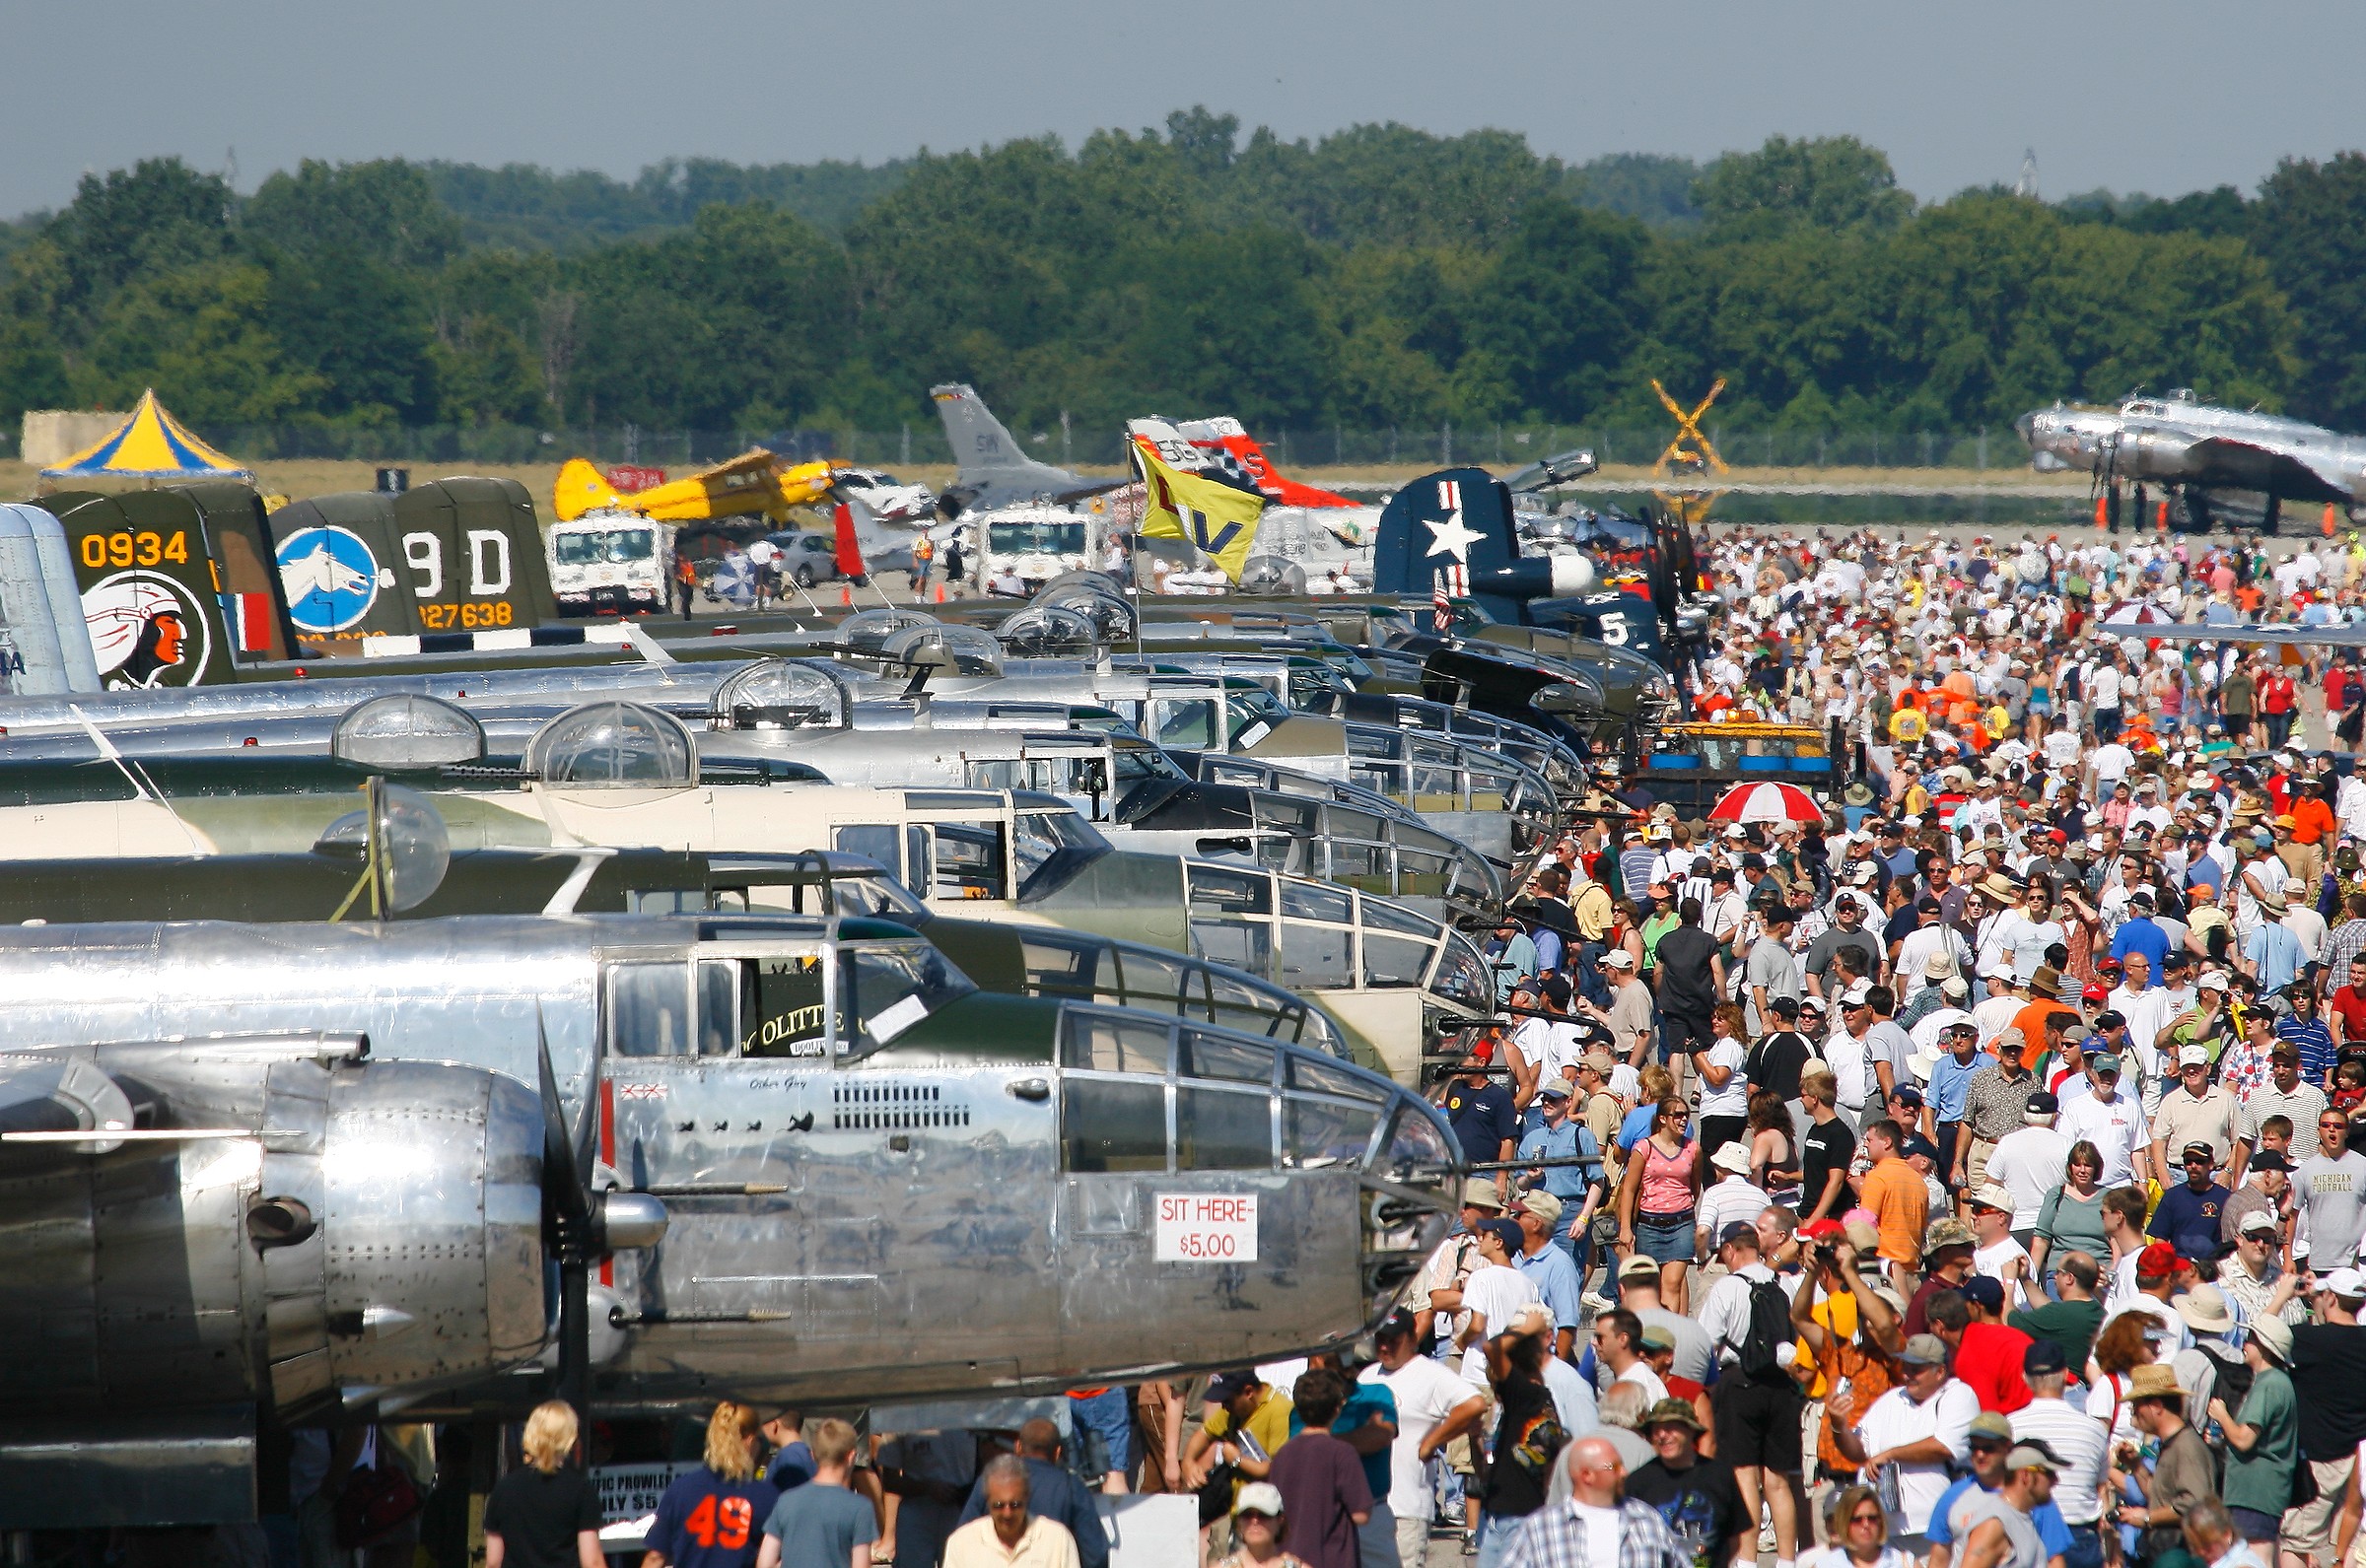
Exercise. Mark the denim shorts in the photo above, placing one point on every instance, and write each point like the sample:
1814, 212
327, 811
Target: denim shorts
1665, 1238
1105, 1421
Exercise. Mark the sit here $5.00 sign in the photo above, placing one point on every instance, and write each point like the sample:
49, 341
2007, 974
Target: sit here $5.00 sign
1206, 1228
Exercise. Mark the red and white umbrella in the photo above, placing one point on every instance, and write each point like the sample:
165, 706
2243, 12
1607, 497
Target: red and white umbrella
1766, 802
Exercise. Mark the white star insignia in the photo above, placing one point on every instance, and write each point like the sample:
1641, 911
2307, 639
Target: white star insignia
1450, 535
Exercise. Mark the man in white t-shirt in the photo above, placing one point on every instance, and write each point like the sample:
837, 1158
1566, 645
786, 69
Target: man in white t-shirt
2111, 763
2111, 1120
1433, 1407
1493, 1293
1928, 1407
2031, 1161
1999, 1256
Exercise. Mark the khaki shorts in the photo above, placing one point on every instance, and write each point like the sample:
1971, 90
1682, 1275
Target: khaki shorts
1459, 1459
1975, 1164
2309, 1529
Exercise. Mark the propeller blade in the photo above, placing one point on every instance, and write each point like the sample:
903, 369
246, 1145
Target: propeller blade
570, 1198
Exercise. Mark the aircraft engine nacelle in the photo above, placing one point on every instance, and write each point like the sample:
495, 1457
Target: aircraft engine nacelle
289, 1224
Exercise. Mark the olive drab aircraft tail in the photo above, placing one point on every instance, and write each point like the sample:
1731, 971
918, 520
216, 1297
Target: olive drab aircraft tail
452, 556
177, 585
187, 584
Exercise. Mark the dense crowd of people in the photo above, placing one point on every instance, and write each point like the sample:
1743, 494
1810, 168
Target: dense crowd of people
1970, 1169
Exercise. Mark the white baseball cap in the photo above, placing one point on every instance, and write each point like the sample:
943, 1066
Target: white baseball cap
2193, 1057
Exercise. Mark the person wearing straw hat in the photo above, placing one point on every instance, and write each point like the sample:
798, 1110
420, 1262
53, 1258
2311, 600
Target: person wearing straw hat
2182, 1472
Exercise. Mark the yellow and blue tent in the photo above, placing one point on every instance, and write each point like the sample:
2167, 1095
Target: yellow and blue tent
151, 445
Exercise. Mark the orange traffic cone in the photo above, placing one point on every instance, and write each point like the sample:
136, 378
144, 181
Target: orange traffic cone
2327, 524
846, 594
2161, 517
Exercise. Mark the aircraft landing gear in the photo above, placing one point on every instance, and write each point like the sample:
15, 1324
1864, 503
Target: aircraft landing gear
2111, 510
2274, 514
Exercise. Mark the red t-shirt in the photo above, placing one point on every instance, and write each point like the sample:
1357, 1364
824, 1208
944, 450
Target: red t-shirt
1989, 1363
2351, 1008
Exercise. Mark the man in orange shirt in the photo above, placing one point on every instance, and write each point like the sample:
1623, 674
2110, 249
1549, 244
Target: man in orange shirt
2045, 1000
1893, 1190
2311, 818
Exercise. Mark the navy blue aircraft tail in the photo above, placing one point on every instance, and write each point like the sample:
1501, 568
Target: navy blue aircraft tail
1451, 532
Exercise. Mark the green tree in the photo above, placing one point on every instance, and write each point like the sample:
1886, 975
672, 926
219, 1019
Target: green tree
158, 215
1554, 315
2310, 224
1826, 182
384, 211
202, 337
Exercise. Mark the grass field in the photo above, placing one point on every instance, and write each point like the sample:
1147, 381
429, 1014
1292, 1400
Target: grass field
298, 480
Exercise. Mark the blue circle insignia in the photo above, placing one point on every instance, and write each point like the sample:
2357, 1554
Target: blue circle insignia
330, 578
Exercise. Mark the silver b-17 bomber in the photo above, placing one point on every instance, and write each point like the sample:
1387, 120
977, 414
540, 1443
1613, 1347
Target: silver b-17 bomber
2208, 458
465, 1005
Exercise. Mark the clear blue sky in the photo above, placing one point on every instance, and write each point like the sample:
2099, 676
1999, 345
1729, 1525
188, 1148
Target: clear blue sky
2166, 97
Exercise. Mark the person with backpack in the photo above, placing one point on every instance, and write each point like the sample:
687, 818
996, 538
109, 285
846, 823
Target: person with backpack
1562, 1137
1758, 1404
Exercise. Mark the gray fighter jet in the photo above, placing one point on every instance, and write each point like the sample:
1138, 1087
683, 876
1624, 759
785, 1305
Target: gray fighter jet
2197, 450
993, 470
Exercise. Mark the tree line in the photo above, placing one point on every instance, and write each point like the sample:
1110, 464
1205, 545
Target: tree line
1379, 277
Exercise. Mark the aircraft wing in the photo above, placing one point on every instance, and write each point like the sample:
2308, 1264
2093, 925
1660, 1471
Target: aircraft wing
755, 481
2259, 467
2203, 632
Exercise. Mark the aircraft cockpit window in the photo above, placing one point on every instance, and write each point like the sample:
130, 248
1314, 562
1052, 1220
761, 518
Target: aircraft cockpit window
1138, 763
886, 988
1189, 725
1223, 1129
1317, 1133
1062, 965
1051, 847
784, 1008
1305, 900
875, 896
1216, 890
1109, 1126
1289, 816
1316, 957
1381, 916
1154, 982
718, 1006
664, 901
1324, 1079
1200, 1055
874, 841
1236, 1006
613, 745
967, 861
1250, 715
649, 1009
1243, 944
1099, 1043
779, 694
1463, 976
1394, 961
1417, 1147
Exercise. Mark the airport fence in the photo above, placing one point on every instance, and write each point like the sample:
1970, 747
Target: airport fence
1332, 447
